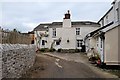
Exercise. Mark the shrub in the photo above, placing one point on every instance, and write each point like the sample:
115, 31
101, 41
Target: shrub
52, 50
44, 49
59, 50
77, 50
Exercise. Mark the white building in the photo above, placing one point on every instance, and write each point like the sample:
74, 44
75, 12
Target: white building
106, 39
64, 35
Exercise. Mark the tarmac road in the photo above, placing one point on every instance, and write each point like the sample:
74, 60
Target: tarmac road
51, 67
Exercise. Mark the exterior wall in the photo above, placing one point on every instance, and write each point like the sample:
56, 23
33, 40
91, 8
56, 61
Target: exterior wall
0, 61
107, 18
16, 59
110, 18
65, 34
69, 34
110, 52
93, 43
119, 43
116, 6
111, 47
66, 23
31, 37
84, 30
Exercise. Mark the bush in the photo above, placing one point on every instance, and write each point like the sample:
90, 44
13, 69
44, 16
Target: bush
52, 50
77, 50
44, 49
59, 50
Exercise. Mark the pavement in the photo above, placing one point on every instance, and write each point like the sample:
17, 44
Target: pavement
59, 65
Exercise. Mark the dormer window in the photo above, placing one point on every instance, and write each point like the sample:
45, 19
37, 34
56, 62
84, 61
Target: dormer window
77, 31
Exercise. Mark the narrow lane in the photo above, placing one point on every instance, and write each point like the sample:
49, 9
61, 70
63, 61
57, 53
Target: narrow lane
50, 67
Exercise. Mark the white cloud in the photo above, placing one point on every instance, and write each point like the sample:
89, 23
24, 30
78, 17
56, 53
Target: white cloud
26, 15
30, 25
0, 14
56, 0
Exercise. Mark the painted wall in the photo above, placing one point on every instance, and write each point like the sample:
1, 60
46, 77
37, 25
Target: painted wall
119, 43
68, 34
111, 17
111, 46
87, 29
111, 35
66, 23
65, 33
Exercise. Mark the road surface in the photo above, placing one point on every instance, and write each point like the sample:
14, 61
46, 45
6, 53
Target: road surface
51, 67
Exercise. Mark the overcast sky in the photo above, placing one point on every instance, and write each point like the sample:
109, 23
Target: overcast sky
25, 15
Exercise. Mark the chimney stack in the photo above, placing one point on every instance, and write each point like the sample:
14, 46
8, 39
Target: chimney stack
67, 15
67, 20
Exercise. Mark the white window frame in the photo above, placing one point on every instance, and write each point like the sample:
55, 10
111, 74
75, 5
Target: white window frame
79, 43
54, 32
77, 31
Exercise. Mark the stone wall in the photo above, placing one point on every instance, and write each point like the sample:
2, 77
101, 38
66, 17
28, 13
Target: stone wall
16, 59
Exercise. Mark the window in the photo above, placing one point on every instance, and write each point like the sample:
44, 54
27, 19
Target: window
43, 42
57, 43
77, 31
79, 43
117, 14
54, 32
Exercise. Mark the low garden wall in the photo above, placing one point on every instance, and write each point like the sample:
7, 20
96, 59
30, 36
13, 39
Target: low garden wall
15, 59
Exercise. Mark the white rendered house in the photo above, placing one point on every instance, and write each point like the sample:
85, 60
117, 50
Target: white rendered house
63, 35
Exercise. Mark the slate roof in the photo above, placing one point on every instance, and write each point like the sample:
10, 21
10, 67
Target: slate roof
84, 23
92, 33
41, 27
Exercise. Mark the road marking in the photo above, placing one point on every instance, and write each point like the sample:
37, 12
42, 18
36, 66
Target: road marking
58, 65
57, 60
